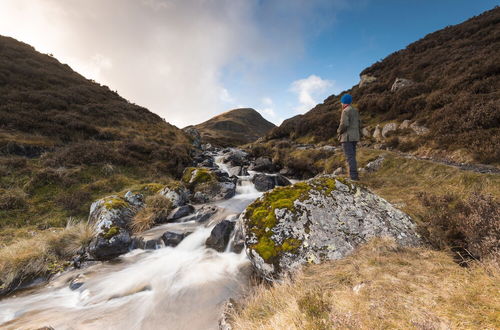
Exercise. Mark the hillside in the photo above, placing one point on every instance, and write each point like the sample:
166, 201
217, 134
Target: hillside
454, 91
66, 140
234, 127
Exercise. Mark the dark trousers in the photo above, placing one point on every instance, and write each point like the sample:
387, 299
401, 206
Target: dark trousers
350, 155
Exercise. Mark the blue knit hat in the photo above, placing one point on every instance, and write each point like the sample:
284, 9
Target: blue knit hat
346, 99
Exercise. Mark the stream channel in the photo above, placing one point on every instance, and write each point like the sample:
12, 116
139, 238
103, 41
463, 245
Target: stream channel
182, 287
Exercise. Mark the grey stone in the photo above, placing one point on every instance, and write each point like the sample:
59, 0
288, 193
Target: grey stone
366, 132
401, 83
391, 127
179, 196
377, 134
203, 214
419, 130
136, 200
151, 244
263, 164
376, 164
263, 182
220, 235
281, 181
194, 134
106, 248
172, 239
405, 124
324, 224
366, 79
180, 212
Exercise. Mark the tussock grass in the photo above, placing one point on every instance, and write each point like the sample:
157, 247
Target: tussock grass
42, 254
157, 207
379, 286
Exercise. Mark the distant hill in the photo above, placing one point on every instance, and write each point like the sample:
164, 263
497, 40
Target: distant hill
65, 140
234, 127
455, 94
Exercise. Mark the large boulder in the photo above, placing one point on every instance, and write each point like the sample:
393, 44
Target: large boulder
324, 218
220, 235
180, 212
173, 239
208, 185
110, 217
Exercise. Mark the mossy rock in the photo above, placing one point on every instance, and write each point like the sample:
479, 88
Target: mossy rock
115, 202
194, 176
323, 218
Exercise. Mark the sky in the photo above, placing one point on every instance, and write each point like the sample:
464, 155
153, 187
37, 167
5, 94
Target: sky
188, 60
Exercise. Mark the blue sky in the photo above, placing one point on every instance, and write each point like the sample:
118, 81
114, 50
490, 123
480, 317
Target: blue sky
188, 60
356, 37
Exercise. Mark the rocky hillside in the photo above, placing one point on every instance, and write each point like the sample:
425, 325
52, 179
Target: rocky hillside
65, 140
440, 96
235, 127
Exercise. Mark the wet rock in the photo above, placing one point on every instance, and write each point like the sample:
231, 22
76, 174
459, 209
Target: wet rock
238, 243
179, 195
263, 164
281, 181
111, 244
134, 199
137, 243
203, 214
376, 164
180, 212
209, 162
391, 127
288, 172
200, 198
152, 244
172, 239
320, 219
263, 182
237, 171
220, 235
401, 83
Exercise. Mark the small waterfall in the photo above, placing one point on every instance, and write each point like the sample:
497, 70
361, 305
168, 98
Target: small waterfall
168, 288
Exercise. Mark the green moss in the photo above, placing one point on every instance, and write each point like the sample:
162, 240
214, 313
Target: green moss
114, 202
195, 176
112, 231
262, 219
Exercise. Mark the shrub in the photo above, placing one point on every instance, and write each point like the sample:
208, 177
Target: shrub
469, 227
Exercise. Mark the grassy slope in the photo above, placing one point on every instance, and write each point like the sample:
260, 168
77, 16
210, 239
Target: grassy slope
66, 140
456, 94
235, 127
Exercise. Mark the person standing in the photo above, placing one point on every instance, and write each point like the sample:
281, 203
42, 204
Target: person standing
349, 133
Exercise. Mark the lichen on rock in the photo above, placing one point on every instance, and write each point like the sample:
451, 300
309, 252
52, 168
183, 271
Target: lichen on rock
323, 218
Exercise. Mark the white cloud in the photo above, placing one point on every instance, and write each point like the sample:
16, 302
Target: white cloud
308, 90
166, 55
267, 101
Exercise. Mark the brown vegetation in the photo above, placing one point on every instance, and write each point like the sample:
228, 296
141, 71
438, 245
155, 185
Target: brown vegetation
45, 253
455, 94
156, 209
380, 286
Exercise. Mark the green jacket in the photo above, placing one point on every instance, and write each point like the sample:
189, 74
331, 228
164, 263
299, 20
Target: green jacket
350, 125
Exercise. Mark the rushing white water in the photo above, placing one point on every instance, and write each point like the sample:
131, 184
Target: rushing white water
169, 288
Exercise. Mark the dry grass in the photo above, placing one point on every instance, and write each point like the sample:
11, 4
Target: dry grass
379, 286
157, 207
42, 254
12, 199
